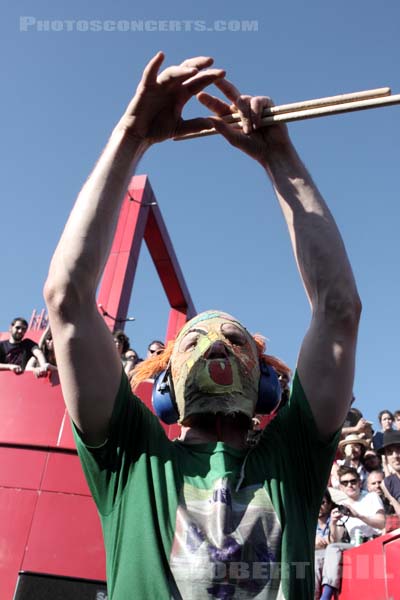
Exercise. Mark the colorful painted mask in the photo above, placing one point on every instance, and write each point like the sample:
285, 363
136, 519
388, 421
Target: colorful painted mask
215, 367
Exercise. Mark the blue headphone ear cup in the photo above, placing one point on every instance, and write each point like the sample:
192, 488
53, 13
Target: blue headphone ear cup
163, 398
269, 390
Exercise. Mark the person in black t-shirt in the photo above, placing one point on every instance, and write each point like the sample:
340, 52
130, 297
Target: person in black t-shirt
16, 351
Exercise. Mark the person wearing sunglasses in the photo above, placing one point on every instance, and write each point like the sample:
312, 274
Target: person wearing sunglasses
363, 514
155, 347
366, 508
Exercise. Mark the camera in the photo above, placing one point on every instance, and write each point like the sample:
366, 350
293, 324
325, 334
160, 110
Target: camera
346, 512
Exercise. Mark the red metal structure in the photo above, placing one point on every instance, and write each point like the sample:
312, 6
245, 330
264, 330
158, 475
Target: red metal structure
48, 521
49, 528
140, 218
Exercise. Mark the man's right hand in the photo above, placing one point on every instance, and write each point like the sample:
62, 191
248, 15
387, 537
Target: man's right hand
253, 138
17, 369
336, 515
154, 113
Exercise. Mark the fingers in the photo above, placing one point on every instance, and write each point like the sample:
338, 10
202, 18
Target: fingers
151, 70
243, 104
249, 108
227, 88
193, 126
257, 106
186, 69
199, 62
176, 74
202, 80
234, 136
217, 106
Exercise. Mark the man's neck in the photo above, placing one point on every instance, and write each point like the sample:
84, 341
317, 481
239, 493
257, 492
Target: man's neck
231, 430
355, 499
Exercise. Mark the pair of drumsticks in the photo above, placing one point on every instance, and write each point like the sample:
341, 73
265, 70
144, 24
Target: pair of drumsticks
309, 109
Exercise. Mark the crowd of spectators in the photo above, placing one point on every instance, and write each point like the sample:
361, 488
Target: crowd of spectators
129, 356
363, 498
19, 353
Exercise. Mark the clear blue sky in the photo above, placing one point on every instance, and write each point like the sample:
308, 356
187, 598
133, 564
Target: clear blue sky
62, 92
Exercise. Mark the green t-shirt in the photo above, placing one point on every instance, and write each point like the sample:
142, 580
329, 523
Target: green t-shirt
198, 521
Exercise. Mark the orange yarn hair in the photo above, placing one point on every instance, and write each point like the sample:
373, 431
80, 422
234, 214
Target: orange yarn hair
150, 367
275, 362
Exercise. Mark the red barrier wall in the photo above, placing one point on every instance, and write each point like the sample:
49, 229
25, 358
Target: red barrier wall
48, 520
49, 523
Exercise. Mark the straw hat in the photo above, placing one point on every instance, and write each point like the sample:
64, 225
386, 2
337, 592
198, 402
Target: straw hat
354, 438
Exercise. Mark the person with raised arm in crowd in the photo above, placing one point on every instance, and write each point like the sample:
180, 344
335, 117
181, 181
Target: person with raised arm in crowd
16, 352
205, 516
356, 423
353, 448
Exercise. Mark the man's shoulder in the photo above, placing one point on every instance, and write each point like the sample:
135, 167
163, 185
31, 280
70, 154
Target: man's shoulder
371, 499
28, 342
24, 343
365, 495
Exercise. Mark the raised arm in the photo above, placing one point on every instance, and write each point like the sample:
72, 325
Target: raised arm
395, 504
88, 364
326, 360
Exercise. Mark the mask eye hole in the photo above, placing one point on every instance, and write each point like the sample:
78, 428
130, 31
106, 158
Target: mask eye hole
234, 334
189, 341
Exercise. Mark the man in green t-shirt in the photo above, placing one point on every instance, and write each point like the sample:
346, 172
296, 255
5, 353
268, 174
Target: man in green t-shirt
204, 516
